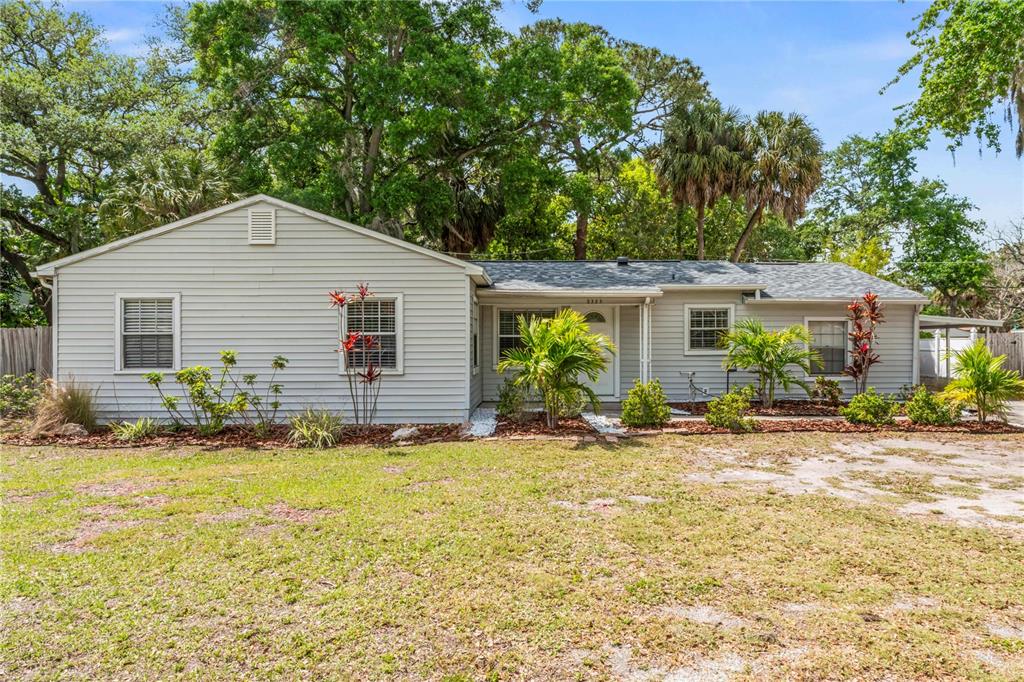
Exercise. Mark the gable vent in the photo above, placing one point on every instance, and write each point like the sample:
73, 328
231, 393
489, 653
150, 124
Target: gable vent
262, 226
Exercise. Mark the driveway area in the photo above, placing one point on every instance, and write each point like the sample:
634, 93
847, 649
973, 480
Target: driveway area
968, 481
1017, 413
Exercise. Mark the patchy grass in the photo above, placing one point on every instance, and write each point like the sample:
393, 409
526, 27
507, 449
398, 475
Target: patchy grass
545, 559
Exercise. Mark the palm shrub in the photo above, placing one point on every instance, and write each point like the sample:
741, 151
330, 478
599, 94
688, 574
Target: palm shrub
556, 358
771, 355
982, 383
646, 405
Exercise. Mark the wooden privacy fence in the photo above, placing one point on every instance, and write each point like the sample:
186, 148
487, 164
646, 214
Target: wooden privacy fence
1009, 344
26, 349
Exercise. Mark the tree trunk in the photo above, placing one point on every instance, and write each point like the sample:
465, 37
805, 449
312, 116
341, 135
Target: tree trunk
580, 242
755, 218
700, 231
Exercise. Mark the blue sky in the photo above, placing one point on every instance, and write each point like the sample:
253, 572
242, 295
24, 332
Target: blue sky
826, 60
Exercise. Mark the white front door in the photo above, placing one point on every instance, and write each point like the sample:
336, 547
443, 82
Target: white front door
601, 320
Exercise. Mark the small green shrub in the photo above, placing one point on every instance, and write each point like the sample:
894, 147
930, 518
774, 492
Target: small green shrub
871, 408
925, 407
315, 429
828, 391
572, 403
511, 400
130, 432
728, 411
19, 394
646, 405
209, 402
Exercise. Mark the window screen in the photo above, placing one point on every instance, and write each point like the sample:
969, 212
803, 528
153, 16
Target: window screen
706, 326
508, 327
828, 337
147, 333
377, 318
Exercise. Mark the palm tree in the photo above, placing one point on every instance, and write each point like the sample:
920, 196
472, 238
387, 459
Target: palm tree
781, 171
770, 354
554, 354
982, 383
701, 154
161, 189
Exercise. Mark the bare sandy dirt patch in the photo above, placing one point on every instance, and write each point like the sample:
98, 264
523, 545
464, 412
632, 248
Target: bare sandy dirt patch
972, 481
284, 512
90, 530
119, 488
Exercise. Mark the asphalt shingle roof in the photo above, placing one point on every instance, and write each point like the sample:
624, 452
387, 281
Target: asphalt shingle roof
778, 280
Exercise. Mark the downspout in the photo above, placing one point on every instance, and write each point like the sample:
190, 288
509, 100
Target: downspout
915, 372
51, 286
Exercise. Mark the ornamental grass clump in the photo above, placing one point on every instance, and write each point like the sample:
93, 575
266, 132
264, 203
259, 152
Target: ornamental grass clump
646, 405
557, 356
61, 404
315, 429
981, 382
130, 432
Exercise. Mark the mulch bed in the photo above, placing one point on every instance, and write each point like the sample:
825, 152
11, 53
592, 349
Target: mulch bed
239, 437
781, 408
696, 427
534, 425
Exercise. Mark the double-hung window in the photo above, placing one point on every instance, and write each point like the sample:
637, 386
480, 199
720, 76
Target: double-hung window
147, 332
508, 327
378, 323
829, 338
705, 325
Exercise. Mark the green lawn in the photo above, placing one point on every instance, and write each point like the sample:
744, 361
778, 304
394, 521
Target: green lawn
488, 560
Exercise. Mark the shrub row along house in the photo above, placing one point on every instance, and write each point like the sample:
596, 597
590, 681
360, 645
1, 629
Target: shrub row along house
253, 276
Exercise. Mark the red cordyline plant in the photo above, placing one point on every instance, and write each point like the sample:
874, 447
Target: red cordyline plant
865, 314
364, 378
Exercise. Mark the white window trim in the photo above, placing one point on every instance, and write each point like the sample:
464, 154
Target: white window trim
731, 307
399, 300
474, 320
118, 313
826, 318
496, 323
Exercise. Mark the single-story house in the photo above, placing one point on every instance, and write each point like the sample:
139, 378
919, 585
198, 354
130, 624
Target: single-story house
253, 276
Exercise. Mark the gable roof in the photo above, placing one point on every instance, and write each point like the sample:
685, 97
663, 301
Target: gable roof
776, 281
48, 269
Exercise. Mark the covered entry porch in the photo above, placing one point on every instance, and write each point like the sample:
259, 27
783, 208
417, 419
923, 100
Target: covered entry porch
624, 317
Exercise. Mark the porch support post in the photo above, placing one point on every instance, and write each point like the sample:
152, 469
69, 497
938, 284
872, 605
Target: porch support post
645, 341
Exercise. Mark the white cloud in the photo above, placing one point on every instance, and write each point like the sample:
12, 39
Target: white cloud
124, 35
887, 49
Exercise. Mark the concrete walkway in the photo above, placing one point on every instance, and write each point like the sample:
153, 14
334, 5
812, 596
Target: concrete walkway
1016, 416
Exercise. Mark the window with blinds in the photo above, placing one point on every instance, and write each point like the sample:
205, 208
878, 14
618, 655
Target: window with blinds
377, 318
147, 333
508, 327
828, 337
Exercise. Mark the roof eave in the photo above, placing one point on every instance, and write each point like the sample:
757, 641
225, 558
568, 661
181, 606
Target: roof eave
830, 299
565, 293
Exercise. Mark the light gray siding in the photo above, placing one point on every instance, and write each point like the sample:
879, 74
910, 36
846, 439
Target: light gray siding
671, 363
267, 300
